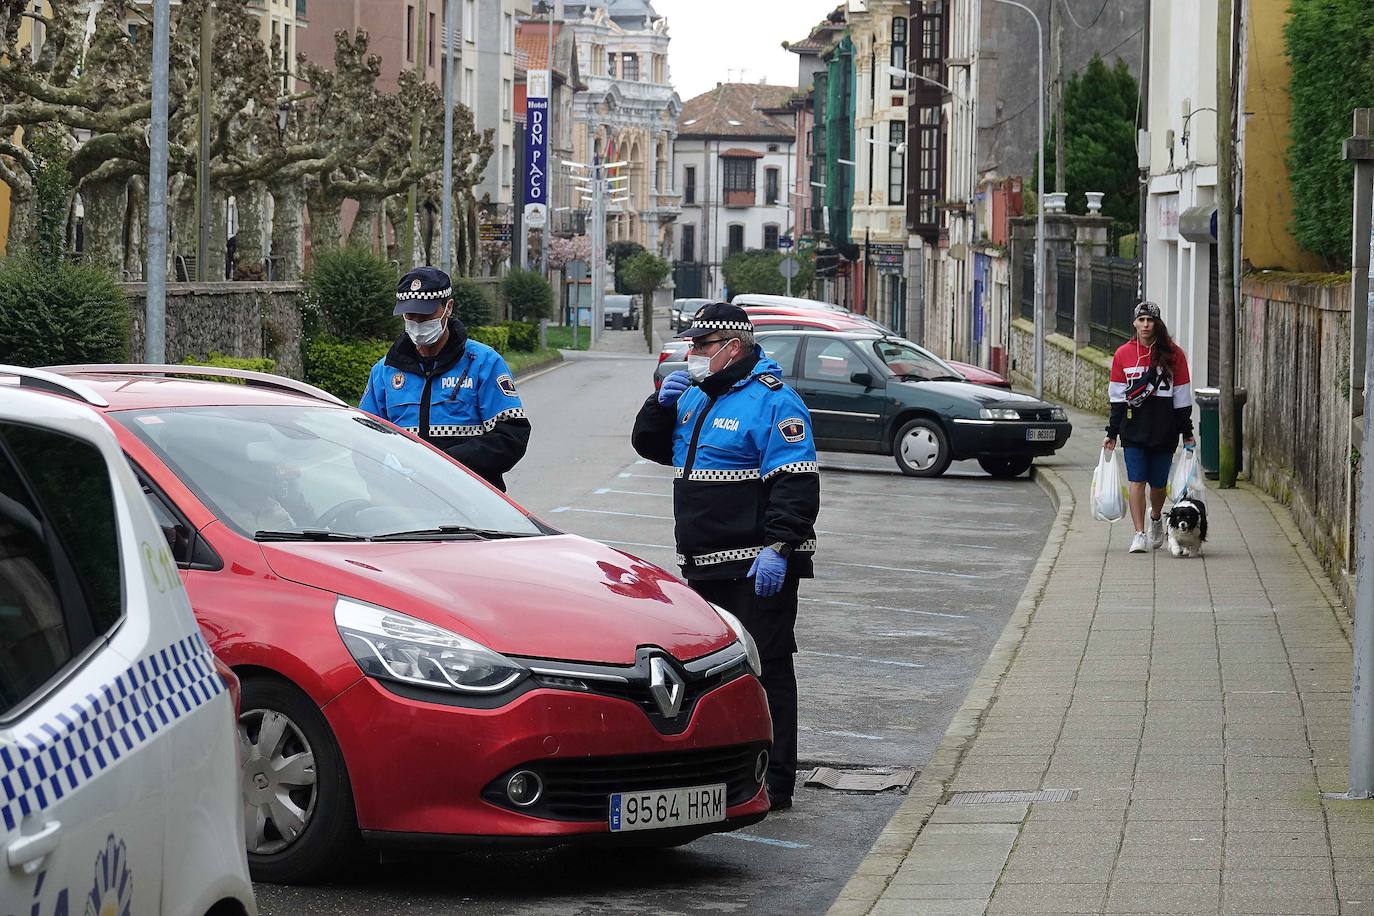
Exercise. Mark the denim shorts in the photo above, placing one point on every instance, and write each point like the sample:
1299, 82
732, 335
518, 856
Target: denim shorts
1149, 465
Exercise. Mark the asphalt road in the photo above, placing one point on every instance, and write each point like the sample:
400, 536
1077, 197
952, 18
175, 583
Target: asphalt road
915, 580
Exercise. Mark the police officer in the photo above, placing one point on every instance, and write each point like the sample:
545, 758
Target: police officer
745, 498
455, 393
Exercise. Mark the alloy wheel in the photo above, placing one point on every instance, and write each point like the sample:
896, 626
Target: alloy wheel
920, 449
278, 777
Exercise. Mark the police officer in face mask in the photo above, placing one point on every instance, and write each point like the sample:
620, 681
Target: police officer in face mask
455, 393
745, 498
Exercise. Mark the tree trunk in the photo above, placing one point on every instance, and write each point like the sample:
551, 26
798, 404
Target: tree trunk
182, 227
248, 247
137, 260
21, 217
363, 232
288, 243
105, 203
325, 217
218, 253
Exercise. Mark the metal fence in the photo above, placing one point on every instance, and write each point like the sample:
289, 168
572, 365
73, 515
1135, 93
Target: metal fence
1028, 286
1065, 294
1115, 285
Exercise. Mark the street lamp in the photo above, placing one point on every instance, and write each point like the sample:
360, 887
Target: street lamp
1040, 204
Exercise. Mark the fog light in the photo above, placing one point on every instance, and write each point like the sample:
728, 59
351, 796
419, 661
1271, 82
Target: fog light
523, 788
761, 766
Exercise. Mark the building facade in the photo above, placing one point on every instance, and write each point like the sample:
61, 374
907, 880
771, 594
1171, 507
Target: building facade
628, 113
735, 161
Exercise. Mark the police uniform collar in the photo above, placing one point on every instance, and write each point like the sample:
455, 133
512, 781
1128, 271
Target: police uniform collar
405, 357
731, 375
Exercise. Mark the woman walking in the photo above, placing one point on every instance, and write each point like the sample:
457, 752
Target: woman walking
1152, 407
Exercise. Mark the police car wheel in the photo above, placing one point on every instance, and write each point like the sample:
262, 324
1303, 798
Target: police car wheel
298, 816
921, 448
1006, 468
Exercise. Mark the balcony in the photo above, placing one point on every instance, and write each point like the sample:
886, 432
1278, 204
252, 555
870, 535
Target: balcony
740, 199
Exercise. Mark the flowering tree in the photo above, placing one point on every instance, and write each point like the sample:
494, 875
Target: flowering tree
563, 251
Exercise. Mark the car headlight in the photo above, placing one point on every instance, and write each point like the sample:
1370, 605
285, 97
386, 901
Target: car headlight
751, 651
395, 647
1057, 413
1000, 413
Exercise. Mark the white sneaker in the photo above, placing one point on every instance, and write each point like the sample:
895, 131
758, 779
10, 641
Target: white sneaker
1140, 543
1156, 533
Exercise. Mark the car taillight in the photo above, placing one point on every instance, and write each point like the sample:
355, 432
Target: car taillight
658, 383
664, 355
231, 683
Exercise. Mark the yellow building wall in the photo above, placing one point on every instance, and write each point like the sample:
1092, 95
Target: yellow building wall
1267, 240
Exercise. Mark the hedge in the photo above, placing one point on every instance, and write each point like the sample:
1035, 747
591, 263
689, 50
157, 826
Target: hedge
524, 337
356, 290
341, 367
496, 337
472, 302
219, 360
62, 313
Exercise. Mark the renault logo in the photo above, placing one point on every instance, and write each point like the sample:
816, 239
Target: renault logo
666, 686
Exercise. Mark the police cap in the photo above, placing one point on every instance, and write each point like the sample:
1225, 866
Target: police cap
718, 316
422, 290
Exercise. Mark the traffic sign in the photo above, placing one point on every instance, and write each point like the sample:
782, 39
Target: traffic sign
785, 243
789, 267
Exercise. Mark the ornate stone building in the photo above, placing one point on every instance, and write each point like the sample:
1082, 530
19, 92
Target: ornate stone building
628, 113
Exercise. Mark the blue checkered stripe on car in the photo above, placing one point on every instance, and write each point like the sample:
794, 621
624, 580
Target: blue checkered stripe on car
73, 747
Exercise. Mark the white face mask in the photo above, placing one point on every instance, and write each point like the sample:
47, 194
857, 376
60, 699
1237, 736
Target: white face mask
699, 367
426, 333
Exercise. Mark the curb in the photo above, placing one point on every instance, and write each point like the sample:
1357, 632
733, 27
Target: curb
892, 846
534, 369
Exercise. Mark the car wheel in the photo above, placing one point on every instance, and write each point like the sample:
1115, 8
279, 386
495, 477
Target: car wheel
298, 816
921, 448
1006, 468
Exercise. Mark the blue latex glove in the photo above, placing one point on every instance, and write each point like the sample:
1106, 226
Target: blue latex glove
768, 572
672, 388
1189, 444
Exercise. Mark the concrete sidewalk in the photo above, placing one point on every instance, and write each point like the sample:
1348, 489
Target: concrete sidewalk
1199, 709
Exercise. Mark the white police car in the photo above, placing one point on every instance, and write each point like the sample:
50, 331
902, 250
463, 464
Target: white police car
119, 789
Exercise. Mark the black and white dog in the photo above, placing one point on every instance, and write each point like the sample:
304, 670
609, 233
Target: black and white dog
1187, 527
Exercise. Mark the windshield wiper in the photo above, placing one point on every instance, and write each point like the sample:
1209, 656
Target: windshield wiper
310, 534
452, 531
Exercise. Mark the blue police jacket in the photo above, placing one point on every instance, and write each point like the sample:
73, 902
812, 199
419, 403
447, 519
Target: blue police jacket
463, 401
745, 472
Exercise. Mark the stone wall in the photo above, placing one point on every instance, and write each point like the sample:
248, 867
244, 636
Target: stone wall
1293, 357
236, 319
1079, 380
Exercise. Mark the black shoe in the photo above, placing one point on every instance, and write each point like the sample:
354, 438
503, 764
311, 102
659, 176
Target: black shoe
780, 803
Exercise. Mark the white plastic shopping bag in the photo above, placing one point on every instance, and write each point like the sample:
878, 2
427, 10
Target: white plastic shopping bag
1185, 480
1109, 487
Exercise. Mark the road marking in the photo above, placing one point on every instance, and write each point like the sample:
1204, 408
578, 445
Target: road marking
661, 518
646, 476
860, 658
602, 491
840, 734
749, 837
905, 569
879, 607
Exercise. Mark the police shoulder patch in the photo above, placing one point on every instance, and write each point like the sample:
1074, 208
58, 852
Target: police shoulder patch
792, 429
772, 381
398, 381
507, 385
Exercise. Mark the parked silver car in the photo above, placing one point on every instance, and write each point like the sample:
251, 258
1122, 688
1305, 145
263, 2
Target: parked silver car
680, 316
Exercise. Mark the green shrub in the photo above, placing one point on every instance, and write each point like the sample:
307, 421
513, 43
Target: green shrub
496, 337
529, 295
341, 366
219, 360
756, 271
61, 313
356, 290
472, 302
524, 336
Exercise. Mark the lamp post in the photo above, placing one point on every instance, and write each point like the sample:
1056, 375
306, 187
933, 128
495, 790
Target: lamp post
1040, 202
155, 321
446, 227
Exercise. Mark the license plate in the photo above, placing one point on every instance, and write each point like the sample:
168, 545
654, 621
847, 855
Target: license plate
667, 808
1039, 435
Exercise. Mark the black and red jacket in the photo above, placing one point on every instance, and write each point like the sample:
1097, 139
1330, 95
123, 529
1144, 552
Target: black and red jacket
1149, 409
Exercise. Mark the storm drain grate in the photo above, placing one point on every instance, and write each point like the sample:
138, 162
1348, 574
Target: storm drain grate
1007, 798
866, 779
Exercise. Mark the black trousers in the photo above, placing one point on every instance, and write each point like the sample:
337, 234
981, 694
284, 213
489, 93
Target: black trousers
770, 621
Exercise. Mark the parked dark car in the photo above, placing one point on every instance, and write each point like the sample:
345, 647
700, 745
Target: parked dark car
869, 392
680, 316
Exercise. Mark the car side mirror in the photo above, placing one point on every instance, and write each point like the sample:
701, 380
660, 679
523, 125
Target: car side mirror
862, 378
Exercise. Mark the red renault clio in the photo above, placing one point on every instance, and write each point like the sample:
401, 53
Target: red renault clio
423, 662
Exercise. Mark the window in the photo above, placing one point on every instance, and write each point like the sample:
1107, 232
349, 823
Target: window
770, 237
833, 361
507, 99
896, 163
689, 242
771, 186
134, 31
470, 20
610, 65
469, 78
739, 174
689, 185
410, 33
506, 166
508, 35
736, 239
429, 39
783, 351
631, 73
899, 26
906, 360
60, 567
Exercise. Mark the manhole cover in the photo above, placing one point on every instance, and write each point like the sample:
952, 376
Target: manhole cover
1006, 798
866, 779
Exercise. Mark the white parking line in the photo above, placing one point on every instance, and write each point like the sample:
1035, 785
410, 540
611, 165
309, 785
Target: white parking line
840, 734
647, 476
602, 491
906, 569
860, 658
661, 518
879, 607
749, 837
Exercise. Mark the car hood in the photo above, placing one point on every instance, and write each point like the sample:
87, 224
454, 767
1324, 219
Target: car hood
985, 395
561, 597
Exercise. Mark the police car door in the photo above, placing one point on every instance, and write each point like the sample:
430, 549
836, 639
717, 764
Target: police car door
85, 694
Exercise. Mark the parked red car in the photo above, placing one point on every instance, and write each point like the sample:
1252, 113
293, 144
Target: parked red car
778, 318
423, 662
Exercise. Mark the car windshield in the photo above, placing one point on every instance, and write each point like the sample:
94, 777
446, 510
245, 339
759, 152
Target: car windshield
317, 471
906, 360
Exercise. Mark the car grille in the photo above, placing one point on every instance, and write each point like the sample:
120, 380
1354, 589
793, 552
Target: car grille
580, 789
1043, 414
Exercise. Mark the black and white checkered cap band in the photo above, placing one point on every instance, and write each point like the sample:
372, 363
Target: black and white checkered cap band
408, 296
724, 325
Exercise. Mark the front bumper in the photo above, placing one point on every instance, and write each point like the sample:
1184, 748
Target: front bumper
1005, 438
419, 769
